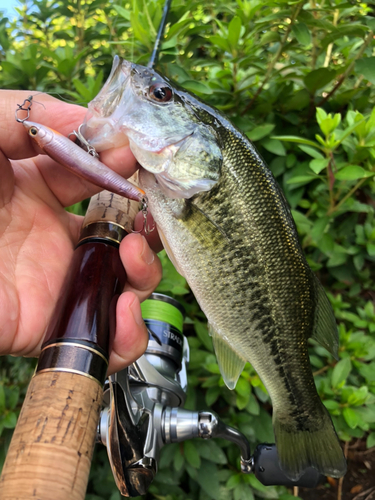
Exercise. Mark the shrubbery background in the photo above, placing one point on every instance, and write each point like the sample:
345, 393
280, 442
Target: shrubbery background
297, 78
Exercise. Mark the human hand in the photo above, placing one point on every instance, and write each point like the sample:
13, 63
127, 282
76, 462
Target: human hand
37, 236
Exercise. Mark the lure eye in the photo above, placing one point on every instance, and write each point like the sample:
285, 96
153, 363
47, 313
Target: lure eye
33, 131
160, 94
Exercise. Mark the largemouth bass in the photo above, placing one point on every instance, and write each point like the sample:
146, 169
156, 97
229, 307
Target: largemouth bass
228, 229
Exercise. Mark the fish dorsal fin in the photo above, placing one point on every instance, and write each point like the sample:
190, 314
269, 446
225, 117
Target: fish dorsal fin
170, 254
325, 327
230, 363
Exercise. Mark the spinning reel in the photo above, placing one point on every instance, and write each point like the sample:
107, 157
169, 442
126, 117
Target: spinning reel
145, 410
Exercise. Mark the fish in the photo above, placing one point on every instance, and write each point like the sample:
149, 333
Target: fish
228, 230
79, 162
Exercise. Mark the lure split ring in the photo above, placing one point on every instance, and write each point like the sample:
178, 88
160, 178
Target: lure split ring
21, 107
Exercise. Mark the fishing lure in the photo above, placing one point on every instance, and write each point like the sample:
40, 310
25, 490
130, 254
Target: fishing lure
68, 154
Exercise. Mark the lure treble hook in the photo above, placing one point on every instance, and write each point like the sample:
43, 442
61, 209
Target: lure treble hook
144, 209
84, 142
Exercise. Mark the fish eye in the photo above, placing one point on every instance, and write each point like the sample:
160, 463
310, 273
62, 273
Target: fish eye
33, 131
160, 93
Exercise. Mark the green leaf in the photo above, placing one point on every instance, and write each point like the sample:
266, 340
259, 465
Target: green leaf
12, 396
208, 479
243, 387
269, 37
178, 461
300, 100
301, 179
234, 31
302, 33
243, 492
358, 397
213, 368
318, 165
337, 259
370, 442
125, 13
359, 261
211, 451
299, 140
212, 381
311, 152
82, 89
10, 420
211, 395
233, 481
274, 146
330, 404
220, 42
345, 133
202, 333
255, 483
242, 401
321, 115
341, 372
290, 160
198, 87
318, 228
366, 67
191, 454
318, 78
330, 124
261, 131
351, 173
351, 417
302, 222
167, 455
253, 406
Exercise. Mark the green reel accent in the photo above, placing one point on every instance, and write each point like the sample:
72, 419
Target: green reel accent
159, 310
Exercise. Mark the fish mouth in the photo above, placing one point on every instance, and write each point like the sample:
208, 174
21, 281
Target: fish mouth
101, 126
108, 99
117, 114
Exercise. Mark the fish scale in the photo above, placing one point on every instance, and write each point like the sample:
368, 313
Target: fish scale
228, 229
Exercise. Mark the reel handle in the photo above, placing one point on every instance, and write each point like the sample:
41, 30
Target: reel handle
267, 469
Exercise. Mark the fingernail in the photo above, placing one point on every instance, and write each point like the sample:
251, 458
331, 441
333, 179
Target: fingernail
136, 311
147, 254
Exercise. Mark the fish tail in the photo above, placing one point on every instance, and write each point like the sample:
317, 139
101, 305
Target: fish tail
311, 444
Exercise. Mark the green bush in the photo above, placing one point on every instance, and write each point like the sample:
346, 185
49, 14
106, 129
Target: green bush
297, 78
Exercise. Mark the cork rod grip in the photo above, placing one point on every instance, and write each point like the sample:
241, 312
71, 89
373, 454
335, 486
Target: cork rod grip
51, 450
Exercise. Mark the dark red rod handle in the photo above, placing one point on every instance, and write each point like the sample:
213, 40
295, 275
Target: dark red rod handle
51, 449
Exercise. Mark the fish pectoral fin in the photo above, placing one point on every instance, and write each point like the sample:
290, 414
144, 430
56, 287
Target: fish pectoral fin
215, 225
230, 363
325, 327
170, 254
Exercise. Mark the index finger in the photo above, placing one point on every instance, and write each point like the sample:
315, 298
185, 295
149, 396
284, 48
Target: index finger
15, 143
45, 109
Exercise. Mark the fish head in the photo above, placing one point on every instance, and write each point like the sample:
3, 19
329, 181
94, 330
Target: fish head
166, 135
